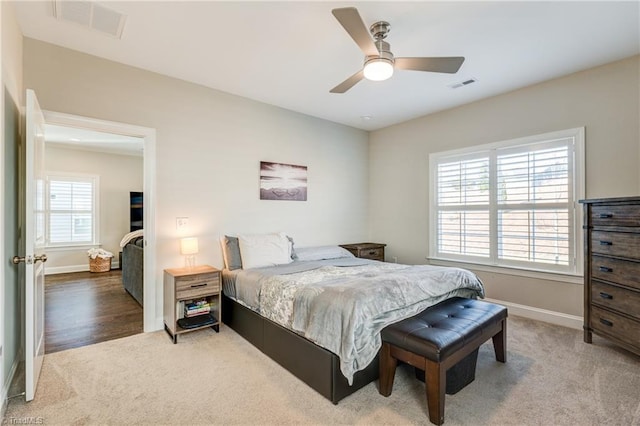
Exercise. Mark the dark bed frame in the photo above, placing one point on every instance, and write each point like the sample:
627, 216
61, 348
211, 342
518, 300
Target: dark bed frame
316, 366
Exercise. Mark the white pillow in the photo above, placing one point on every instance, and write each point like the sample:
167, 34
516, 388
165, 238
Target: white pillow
322, 252
260, 250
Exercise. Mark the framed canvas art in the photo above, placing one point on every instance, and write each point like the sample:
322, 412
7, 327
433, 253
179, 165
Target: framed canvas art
283, 182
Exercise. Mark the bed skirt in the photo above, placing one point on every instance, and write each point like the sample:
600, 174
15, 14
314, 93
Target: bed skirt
314, 365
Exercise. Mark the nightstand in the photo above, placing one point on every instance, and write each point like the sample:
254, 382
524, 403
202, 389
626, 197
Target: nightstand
373, 251
195, 290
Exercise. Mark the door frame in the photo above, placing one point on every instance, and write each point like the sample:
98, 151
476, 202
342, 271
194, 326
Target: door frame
152, 317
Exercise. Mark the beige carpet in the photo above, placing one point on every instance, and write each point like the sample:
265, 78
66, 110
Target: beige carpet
551, 378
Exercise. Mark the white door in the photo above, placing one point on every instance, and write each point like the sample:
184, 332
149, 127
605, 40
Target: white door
34, 244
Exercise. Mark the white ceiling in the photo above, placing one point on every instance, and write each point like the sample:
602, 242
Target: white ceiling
290, 54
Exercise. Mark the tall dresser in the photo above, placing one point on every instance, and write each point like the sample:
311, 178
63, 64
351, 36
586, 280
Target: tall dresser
612, 270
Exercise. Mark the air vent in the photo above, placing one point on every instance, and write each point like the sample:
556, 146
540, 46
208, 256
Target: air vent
463, 83
92, 15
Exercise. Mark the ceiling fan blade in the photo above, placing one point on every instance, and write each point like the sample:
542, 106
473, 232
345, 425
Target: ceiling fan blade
350, 19
447, 65
348, 83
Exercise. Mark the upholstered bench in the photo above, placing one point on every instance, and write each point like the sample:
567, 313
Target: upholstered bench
439, 338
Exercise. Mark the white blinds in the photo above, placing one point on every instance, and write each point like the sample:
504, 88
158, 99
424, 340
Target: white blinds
534, 197
70, 210
508, 205
463, 201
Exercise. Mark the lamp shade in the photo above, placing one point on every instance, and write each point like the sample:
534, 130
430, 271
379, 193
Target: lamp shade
189, 245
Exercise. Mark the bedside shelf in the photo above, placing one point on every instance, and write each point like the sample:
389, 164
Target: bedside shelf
182, 285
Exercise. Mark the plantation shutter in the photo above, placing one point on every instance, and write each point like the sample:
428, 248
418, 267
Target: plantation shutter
533, 203
508, 204
463, 207
70, 211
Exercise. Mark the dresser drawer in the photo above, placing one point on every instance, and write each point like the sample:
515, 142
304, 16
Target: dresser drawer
616, 325
188, 287
373, 253
616, 215
616, 244
616, 270
616, 298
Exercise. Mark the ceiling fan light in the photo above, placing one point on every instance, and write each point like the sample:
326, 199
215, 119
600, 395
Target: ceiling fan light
378, 69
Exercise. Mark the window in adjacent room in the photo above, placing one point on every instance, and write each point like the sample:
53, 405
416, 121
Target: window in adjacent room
510, 204
71, 211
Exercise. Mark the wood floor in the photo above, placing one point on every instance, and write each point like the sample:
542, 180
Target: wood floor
83, 308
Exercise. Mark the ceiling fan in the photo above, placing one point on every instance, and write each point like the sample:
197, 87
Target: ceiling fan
379, 61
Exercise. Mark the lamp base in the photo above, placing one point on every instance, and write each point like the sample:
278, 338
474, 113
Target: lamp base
189, 262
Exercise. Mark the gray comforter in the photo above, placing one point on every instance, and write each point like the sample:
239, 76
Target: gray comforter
343, 308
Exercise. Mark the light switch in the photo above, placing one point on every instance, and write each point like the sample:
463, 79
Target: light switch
182, 223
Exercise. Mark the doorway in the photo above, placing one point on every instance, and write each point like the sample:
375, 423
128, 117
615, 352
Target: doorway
89, 179
147, 135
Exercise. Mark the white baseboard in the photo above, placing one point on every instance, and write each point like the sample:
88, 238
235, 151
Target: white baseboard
553, 317
72, 268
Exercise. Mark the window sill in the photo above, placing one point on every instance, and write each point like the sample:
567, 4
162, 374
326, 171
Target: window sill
72, 247
529, 273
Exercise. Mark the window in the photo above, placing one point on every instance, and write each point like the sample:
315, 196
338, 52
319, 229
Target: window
71, 210
511, 203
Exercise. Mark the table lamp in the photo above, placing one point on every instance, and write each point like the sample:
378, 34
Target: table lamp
189, 248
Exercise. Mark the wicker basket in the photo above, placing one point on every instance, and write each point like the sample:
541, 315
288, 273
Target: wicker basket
100, 264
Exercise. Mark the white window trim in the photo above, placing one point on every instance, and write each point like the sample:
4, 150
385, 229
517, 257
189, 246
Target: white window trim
578, 134
96, 210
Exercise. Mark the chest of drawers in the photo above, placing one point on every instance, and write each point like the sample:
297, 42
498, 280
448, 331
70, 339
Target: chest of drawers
612, 271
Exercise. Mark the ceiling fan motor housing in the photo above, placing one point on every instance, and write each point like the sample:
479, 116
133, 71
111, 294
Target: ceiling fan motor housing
380, 29
384, 50
384, 55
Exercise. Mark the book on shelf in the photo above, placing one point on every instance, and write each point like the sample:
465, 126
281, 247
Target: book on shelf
196, 303
196, 307
195, 312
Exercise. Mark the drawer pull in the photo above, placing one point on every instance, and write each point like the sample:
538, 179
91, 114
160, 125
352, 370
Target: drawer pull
199, 285
606, 243
371, 253
605, 269
606, 215
605, 295
606, 322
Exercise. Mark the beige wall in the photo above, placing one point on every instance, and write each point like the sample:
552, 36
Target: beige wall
605, 100
11, 53
209, 145
119, 174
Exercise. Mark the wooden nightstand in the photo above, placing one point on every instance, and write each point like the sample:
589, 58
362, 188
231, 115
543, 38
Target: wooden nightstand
373, 251
181, 286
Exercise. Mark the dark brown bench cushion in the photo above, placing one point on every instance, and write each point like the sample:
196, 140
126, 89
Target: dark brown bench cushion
443, 329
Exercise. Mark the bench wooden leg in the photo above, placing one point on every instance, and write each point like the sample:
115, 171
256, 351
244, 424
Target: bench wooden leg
387, 370
436, 385
500, 343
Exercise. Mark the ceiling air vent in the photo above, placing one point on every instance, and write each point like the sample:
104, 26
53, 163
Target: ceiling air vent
463, 83
92, 15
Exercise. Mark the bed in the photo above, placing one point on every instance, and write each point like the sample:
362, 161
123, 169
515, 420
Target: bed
318, 311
